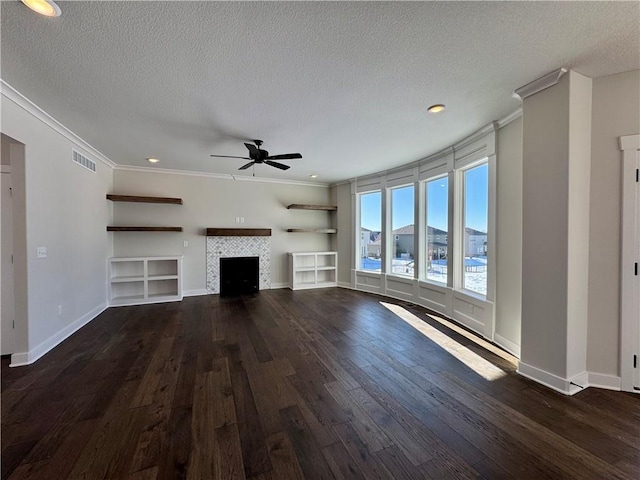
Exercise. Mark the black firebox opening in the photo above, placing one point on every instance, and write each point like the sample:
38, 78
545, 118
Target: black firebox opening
239, 275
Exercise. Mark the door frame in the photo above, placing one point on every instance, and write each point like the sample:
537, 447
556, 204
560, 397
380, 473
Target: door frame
6, 170
630, 257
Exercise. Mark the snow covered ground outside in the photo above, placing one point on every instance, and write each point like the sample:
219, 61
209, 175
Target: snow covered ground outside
474, 281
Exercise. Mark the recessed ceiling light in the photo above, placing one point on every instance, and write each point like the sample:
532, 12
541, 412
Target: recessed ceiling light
153, 160
47, 8
437, 108
314, 175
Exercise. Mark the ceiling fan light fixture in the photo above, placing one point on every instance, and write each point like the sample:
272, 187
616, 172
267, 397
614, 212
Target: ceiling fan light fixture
437, 108
153, 160
48, 8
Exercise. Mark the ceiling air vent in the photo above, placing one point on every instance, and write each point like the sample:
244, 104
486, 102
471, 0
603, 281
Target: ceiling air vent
83, 161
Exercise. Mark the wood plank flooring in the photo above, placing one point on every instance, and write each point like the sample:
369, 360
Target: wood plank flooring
314, 384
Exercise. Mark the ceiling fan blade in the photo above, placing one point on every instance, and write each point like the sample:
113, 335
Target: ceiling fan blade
253, 150
286, 156
281, 166
244, 167
229, 156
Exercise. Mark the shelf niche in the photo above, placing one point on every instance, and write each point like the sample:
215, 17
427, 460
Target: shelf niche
299, 206
142, 199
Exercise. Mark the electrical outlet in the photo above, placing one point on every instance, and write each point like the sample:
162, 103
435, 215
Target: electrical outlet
41, 252
241, 219
237, 219
59, 309
185, 244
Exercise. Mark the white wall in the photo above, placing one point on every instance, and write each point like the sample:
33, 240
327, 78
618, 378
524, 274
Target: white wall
508, 304
616, 112
544, 236
216, 202
66, 212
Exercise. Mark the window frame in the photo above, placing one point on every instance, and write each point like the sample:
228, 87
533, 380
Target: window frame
391, 238
358, 236
460, 229
424, 244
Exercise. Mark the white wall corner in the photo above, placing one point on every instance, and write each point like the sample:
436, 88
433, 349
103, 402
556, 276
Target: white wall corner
539, 84
275, 286
27, 358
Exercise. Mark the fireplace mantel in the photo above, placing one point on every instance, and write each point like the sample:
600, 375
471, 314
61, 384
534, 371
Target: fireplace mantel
238, 232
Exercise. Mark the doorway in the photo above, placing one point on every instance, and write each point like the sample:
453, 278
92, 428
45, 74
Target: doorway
13, 254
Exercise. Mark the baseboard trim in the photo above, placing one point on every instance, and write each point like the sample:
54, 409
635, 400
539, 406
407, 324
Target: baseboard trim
195, 293
345, 285
275, 286
547, 379
608, 382
511, 347
27, 358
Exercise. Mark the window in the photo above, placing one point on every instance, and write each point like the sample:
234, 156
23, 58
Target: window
370, 240
437, 221
402, 208
476, 202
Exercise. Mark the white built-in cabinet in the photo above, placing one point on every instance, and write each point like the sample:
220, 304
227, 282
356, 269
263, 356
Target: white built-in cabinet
312, 270
139, 280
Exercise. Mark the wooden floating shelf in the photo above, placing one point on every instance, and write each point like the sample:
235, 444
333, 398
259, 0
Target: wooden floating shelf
238, 232
144, 229
312, 230
139, 199
298, 206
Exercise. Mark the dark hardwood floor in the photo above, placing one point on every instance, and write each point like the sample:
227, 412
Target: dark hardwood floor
316, 384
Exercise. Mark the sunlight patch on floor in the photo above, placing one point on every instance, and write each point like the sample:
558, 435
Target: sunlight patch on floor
477, 340
475, 362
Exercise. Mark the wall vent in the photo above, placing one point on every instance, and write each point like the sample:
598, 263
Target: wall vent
83, 161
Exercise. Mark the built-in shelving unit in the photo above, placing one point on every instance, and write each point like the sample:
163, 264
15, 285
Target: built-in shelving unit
139, 280
326, 208
313, 270
142, 199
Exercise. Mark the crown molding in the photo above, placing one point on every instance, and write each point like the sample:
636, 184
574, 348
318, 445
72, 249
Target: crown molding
503, 122
23, 102
484, 131
220, 176
546, 81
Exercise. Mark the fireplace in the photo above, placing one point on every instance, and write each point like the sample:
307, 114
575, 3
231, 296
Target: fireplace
225, 243
239, 275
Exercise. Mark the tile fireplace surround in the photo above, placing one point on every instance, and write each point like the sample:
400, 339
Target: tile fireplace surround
238, 242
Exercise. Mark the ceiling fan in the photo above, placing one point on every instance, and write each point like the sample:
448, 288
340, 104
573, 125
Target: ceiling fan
257, 155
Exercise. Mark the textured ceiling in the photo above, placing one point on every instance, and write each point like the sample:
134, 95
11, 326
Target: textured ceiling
344, 83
